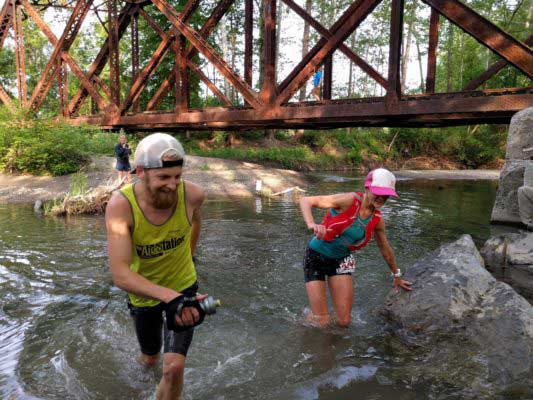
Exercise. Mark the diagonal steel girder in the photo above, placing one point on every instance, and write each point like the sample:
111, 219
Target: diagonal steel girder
176, 48
208, 27
208, 52
101, 59
488, 34
367, 68
215, 90
64, 55
141, 80
6, 20
344, 26
492, 70
62, 45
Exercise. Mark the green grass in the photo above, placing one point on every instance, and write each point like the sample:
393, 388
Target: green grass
46, 146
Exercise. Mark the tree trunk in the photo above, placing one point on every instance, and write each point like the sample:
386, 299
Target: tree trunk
230, 139
350, 72
419, 54
461, 72
224, 48
279, 15
233, 61
449, 58
260, 41
410, 20
305, 42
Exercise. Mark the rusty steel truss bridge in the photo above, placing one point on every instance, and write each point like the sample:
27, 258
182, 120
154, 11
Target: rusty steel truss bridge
273, 105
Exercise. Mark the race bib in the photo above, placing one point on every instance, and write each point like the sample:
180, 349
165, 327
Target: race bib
347, 265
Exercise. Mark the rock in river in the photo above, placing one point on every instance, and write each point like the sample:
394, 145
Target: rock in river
468, 335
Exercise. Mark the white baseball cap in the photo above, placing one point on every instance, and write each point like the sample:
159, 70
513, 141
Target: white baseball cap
153, 148
381, 182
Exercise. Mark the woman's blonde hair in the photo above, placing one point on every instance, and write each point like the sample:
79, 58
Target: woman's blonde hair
121, 136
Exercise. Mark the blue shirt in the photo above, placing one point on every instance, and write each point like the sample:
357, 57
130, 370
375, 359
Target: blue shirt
338, 247
317, 78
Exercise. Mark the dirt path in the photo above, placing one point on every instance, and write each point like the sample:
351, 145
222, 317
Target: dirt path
219, 177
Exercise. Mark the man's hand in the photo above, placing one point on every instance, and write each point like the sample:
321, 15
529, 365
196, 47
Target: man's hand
189, 315
181, 314
318, 230
400, 283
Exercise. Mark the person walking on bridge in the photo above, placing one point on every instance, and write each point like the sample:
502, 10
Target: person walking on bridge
317, 85
347, 226
153, 226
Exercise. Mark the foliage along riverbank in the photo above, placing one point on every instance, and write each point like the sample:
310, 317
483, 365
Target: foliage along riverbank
465, 147
53, 147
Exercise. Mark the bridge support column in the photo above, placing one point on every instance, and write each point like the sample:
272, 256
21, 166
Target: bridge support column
514, 199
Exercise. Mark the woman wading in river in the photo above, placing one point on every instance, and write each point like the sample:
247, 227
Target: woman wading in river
348, 225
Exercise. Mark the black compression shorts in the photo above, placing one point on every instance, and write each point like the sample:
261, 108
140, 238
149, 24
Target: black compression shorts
318, 266
150, 327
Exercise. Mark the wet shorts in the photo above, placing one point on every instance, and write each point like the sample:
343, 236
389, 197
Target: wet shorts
317, 266
123, 165
150, 328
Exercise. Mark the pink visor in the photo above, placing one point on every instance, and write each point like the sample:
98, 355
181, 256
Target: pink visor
381, 182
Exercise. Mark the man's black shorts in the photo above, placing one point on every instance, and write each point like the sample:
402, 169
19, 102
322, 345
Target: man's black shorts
150, 326
318, 266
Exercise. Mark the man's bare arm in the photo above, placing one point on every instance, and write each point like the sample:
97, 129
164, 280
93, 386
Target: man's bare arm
195, 199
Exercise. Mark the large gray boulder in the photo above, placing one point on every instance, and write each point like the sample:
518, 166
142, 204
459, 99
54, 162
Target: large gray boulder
510, 257
469, 335
512, 204
525, 196
520, 138
525, 205
506, 209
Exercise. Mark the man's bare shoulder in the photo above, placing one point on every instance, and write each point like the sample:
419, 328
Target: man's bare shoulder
195, 193
118, 206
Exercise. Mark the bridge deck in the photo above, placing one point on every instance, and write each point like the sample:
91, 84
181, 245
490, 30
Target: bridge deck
495, 106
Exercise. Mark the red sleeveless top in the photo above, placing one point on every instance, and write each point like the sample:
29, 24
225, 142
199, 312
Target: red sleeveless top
340, 222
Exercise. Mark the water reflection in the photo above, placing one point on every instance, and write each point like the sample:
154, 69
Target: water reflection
65, 332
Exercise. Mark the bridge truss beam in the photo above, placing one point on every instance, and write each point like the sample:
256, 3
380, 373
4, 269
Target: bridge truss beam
272, 105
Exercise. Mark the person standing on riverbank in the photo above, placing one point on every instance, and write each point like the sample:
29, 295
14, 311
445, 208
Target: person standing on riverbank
347, 226
122, 153
152, 230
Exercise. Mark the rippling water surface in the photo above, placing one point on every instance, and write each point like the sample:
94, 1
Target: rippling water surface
65, 331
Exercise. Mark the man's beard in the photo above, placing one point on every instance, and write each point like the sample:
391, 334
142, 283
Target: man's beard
162, 199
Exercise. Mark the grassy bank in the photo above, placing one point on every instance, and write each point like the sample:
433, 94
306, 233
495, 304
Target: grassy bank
358, 148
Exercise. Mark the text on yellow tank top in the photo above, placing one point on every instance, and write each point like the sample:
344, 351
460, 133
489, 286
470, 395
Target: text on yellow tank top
161, 253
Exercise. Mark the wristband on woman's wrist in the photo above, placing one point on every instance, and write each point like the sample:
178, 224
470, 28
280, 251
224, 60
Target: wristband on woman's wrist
397, 274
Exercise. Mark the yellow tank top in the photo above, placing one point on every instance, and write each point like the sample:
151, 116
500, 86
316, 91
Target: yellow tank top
161, 253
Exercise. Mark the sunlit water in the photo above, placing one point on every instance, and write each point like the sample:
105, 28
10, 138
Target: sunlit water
65, 332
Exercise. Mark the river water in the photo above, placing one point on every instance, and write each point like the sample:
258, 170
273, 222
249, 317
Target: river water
65, 332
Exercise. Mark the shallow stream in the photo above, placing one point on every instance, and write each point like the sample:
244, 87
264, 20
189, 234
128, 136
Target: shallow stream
65, 332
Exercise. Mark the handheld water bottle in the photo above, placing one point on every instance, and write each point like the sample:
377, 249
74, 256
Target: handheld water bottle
209, 305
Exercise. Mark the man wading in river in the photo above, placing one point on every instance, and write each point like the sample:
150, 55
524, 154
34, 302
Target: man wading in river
152, 230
